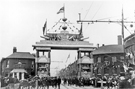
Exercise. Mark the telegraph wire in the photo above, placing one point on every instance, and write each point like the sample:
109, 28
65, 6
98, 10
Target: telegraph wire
88, 10
94, 16
107, 18
97, 11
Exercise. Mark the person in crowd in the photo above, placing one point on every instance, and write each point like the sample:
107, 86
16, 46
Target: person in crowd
47, 82
16, 82
16, 79
65, 81
58, 82
124, 84
10, 82
55, 82
3, 82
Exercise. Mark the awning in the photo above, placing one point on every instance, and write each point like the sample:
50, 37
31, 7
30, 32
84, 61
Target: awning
18, 70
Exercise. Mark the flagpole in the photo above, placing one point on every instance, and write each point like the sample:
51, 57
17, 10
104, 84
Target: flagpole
123, 34
64, 11
46, 28
122, 26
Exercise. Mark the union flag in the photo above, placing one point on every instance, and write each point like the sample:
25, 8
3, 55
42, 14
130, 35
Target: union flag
61, 10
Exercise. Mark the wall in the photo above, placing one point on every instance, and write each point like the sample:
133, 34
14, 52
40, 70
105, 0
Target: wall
113, 62
26, 64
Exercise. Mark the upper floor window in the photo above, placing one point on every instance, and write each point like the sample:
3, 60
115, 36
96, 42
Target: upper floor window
7, 64
114, 59
99, 59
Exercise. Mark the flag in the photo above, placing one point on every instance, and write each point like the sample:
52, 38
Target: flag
125, 67
80, 32
61, 10
75, 58
44, 27
68, 57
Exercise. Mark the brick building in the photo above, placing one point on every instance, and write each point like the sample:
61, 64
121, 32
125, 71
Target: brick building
18, 64
108, 60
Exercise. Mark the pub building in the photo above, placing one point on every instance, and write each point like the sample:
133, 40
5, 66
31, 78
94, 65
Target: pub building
108, 60
19, 64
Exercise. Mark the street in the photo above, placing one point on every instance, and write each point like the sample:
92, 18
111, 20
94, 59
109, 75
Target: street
65, 87
74, 87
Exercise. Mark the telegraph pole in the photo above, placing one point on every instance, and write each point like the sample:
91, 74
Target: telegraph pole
109, 21
122, 23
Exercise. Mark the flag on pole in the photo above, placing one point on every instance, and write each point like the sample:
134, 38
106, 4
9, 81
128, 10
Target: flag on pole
61, 10
80, 31
44, 27
68, 57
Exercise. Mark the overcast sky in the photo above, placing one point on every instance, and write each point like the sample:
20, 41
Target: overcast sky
21, 22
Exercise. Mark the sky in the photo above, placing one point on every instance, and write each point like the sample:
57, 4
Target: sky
21, 23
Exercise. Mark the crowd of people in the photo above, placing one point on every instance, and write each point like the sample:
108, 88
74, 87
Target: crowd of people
119, 82
9, 82
30, 83
108, 82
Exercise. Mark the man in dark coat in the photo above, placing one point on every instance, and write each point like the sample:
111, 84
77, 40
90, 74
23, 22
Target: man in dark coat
58, 82
124, 84
10, 82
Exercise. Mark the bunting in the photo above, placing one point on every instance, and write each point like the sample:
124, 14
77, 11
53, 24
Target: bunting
80, 32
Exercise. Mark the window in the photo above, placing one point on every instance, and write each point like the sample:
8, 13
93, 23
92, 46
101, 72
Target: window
114, 59
121, 57
7, 64
99, 59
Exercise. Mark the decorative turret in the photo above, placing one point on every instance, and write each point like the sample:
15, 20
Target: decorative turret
63, 32
64, 27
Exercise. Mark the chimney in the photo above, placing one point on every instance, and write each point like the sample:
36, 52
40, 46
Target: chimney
119, 40
14, 49
97, 45
103, 44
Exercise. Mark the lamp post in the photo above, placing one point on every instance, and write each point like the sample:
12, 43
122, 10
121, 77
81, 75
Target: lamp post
36, 59
36, 72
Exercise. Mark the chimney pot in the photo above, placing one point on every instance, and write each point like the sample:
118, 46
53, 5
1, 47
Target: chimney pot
119, 40
14, 49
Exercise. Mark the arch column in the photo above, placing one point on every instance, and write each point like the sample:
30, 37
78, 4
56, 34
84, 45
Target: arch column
79, 65
49, 56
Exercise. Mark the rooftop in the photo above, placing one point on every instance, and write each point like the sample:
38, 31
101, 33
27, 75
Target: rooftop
26, 55
109, 49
